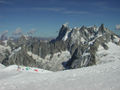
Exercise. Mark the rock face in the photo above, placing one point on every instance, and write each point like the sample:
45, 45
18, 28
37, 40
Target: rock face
4, 53
73, 48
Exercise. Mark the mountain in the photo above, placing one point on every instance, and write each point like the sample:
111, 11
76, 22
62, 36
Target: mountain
72, 48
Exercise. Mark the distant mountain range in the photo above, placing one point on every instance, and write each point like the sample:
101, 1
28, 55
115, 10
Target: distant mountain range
72, 48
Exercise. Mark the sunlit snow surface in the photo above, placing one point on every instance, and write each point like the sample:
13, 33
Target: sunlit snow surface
103, 76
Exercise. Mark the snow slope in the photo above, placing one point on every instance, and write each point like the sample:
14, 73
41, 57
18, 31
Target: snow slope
2, 66
103, 76
4, 48
110, 55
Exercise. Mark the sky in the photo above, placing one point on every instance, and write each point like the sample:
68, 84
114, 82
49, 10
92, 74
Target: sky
45, 17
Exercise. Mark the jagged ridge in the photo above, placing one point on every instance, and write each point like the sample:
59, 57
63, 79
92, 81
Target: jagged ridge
73, 48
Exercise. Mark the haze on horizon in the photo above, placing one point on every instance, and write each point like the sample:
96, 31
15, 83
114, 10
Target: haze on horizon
45, 17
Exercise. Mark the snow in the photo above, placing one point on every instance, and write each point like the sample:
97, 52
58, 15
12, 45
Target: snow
14, 51
66, 36
85, 54
66, 24
92, 41
26, 37
92, 36
55, 59
5, 41
14, 68
116, 39
82, 40
110, 55
86, 31
98, 77
75, 35
2, 66
34, 56
3, 49
55, 56
76, 28
103, 76
18, 49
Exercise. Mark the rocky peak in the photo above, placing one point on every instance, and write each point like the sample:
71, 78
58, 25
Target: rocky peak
102, 29
22, 39
64, 29
82, 28
102, 26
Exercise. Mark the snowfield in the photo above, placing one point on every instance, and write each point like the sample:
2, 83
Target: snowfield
103, 76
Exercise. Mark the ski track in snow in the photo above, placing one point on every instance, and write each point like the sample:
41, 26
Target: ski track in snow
103, 76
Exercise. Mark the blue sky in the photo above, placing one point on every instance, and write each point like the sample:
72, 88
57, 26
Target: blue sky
47, 16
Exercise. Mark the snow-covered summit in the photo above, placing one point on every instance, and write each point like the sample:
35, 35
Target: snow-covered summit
76, 35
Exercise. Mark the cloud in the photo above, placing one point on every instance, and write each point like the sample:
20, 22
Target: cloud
3, 35
4, 2
103, 5
99, 3
48, 9
18, 31
76, 12
111, 9
61, 10
31, 32
117, 27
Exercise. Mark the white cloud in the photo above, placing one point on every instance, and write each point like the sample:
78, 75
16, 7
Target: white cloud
18, 31
99, 3
31, 32
75, 12
48, 9
4, 33
117, 27
62, 10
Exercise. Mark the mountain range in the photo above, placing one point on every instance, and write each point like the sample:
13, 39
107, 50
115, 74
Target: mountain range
72, 48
